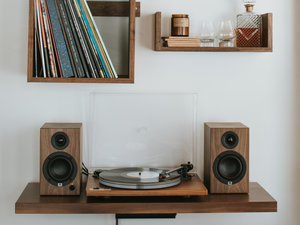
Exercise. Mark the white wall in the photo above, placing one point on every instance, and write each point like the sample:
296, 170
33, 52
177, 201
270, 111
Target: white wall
258, 89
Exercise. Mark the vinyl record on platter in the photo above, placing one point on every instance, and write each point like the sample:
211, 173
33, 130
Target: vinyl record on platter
137, 178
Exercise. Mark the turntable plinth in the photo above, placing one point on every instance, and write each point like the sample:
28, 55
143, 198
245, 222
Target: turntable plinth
193, 187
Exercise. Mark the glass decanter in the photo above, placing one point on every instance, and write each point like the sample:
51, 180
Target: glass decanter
249, 27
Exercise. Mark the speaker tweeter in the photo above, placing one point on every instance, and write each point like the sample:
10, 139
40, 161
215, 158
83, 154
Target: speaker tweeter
230, 140
60, 140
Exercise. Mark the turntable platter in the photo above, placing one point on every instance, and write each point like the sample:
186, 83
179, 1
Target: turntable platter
137, 178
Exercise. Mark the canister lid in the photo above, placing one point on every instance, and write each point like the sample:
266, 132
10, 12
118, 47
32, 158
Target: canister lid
180, 15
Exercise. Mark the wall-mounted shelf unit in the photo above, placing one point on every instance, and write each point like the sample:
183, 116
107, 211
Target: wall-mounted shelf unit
129, 9
258, 200
267, 33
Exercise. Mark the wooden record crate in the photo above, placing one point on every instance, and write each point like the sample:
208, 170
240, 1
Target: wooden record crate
129, 9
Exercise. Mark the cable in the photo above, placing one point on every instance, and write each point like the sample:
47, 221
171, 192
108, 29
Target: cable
84, 173
84, 168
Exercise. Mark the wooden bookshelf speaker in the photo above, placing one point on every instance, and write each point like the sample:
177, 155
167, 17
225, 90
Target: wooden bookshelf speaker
226, 158
60, 158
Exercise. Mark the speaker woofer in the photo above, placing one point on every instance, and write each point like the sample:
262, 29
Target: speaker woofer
60, 140
59, 169
230, 140
230, 167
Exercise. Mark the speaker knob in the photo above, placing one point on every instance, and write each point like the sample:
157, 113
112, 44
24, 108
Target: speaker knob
72, 188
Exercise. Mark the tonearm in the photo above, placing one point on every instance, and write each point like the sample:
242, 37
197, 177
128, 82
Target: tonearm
182, 170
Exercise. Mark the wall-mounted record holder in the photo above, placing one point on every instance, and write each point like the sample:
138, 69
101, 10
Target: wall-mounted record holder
141, 132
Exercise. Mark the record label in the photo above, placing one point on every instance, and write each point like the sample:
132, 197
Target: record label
143, 175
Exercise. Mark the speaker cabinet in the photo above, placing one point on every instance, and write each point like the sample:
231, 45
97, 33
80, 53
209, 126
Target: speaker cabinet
226, 158
60, 158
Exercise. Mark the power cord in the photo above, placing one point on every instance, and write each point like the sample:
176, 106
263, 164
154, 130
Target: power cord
85, 170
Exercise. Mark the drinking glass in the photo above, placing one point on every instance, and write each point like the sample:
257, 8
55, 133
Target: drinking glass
226, 33
207, 33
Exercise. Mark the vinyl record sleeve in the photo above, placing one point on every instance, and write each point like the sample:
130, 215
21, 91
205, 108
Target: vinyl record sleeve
60, 43
98, 41
70, 40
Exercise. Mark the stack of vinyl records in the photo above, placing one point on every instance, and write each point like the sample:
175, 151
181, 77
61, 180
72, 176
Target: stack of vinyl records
181, 41
68, 42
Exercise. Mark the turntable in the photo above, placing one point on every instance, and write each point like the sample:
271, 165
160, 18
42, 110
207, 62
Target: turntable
131, 135
137, 181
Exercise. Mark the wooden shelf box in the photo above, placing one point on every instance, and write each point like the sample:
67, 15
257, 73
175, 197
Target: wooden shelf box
129, 9
267, 45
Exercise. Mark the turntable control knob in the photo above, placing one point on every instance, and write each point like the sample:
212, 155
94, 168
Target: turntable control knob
72, 188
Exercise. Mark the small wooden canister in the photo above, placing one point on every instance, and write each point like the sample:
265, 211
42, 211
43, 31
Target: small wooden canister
180, 25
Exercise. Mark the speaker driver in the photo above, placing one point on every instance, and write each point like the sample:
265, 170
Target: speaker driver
60, 140
59, 169
230, 140
230, 167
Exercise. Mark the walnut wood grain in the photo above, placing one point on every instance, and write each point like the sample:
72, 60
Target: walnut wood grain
131, 40
213, 147
103, 8
267, 40
31, 38
191, 187
258, 200
62, 126
120, 9
207, 156
74, 132
267, 33
81, 80
157, 39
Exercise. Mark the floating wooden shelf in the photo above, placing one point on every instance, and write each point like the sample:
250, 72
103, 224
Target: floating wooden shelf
129, 9
258, 200
267, 33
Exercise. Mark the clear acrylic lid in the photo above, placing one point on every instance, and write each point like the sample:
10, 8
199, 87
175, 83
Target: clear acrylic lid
141, 130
